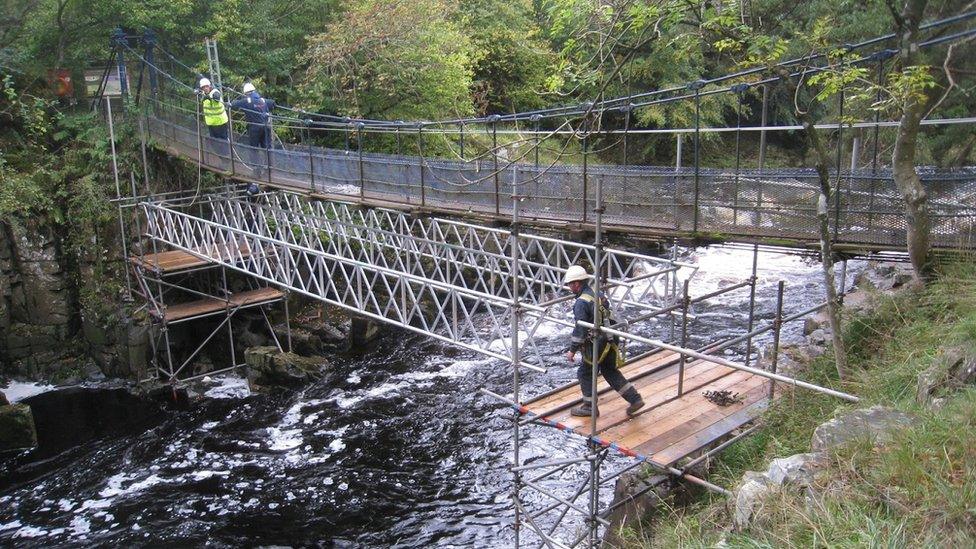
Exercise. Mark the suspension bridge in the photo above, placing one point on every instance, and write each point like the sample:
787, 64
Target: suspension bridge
401, 238
771, 205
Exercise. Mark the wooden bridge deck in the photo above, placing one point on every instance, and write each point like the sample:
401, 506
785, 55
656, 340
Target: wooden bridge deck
669, 427
174, 261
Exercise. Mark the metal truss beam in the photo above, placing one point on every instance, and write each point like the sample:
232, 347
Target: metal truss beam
446, 279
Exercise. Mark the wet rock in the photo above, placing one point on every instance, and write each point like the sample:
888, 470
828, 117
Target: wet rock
267, 366
3, 399
818, 337
35, 303
16, 427
253, 333
955, 368
303, 341
884, 277
120, 349
800, 471
875, 423
329, 334
815, 322
749, 497
857, 301
363, 330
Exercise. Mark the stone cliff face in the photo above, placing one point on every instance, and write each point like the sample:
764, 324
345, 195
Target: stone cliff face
44, 333
37, 303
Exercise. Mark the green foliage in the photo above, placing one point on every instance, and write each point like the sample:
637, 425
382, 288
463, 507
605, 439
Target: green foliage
510, 58
392, 60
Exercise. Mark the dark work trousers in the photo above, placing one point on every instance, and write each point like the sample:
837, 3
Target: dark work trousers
218, 132
259, 135
609, 371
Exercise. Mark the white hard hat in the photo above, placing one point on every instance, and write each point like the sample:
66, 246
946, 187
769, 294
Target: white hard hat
248, 88
205, 82
574, 274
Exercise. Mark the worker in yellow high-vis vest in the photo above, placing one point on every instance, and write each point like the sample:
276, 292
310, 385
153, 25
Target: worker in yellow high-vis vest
214, 112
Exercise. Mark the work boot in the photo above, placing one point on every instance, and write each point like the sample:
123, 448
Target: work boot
635, 406
583, 410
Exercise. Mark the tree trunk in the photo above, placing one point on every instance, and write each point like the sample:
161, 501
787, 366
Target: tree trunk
823, 217
910, 186
826, 247
903, 156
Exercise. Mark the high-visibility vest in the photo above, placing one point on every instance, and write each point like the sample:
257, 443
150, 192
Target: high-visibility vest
214, 113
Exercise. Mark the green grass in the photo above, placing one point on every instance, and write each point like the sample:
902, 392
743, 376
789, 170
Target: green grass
918, 491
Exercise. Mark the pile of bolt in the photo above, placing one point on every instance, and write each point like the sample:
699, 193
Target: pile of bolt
722, 398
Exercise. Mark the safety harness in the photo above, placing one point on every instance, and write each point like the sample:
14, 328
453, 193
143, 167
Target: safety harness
612, 344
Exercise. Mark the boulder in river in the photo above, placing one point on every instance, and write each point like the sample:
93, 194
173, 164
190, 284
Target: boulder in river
267, 366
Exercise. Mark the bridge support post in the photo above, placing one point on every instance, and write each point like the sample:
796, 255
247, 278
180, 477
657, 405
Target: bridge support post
598, 274
777, 328
739, 90
752, 300
149, 37
118, 196
875, 145
119, 39
420, 164
515, 313
461, 139
762, 153
584, 145
230, 143
359, 151
311, 158
535, 127
840, 153
697, 86
494, 157
685, 305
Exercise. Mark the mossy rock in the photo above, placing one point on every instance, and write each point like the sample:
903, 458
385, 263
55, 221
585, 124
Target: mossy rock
267, 366
17, 427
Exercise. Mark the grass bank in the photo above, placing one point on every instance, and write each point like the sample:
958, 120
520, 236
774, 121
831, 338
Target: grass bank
919, 490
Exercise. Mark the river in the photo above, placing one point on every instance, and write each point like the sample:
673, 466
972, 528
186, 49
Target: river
396, 449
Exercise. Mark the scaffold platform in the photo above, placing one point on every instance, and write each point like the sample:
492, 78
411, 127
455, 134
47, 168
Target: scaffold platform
211, 306
669, 427
174, 261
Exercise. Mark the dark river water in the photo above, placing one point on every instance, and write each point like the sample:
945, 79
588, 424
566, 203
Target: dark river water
396, 449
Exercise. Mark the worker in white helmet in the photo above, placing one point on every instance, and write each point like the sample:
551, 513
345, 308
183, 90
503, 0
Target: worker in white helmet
214, 113
257, 113
609, 354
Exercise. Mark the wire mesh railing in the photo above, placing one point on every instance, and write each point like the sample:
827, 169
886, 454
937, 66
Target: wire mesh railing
775, 203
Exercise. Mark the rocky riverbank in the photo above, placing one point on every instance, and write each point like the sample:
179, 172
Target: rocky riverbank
895, 469
643, 491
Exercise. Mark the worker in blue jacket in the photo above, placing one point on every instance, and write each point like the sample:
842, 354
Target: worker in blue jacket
609, 354
257, 113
